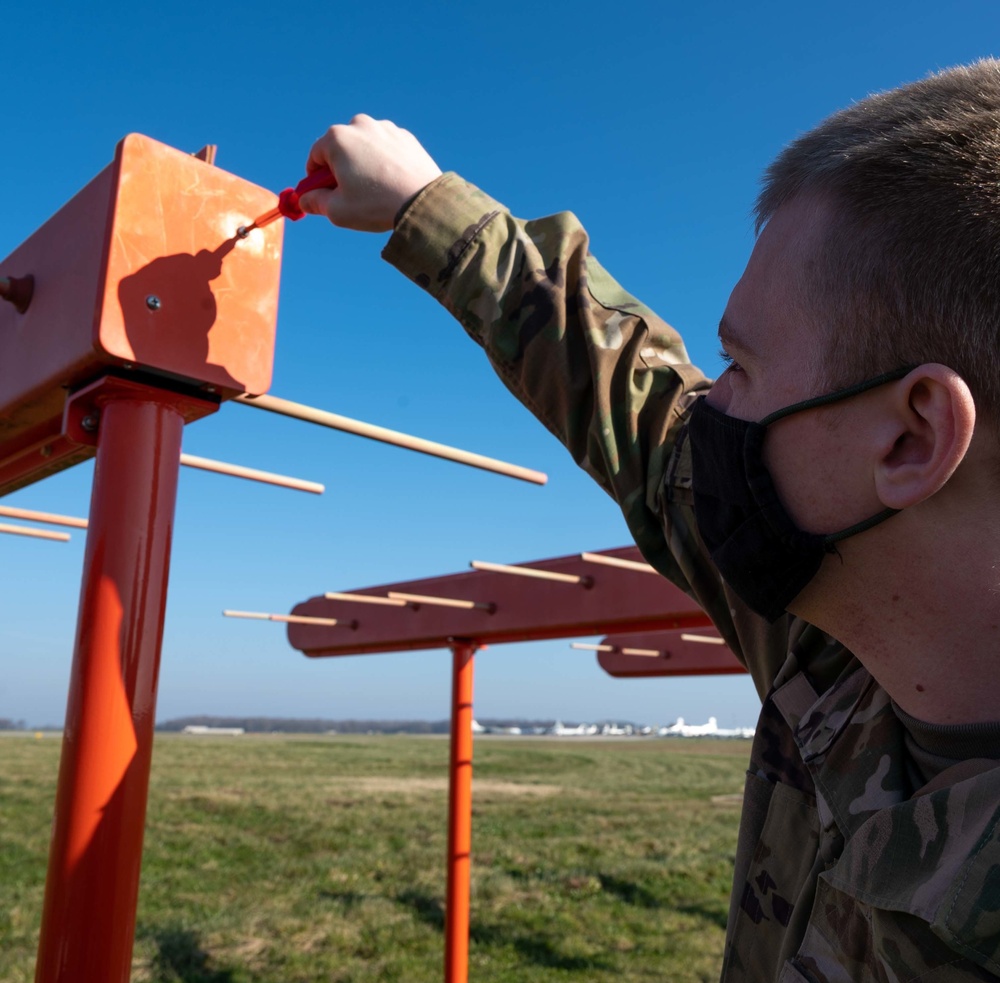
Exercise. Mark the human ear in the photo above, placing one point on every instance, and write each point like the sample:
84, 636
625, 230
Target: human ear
926, 434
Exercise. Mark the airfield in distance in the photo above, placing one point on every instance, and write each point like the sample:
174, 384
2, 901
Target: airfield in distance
233, 727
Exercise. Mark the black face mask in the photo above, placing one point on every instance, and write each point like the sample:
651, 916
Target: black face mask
756, 547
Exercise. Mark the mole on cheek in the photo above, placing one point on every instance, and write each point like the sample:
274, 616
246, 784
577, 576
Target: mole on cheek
920, 688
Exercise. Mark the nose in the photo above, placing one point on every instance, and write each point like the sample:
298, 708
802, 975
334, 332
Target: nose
721, 393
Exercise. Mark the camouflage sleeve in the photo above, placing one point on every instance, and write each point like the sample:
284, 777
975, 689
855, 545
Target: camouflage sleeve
607, 376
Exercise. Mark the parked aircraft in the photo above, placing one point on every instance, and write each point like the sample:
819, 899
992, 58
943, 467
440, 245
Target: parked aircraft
709, 729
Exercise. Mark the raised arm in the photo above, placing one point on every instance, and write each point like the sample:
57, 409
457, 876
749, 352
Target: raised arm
607, 376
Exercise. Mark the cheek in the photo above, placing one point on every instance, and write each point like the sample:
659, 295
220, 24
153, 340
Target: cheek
807, 464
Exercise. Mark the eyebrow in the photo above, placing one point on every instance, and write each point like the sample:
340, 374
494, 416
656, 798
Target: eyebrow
730, 338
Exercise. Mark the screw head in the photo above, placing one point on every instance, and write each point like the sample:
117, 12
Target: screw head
153, 302
89, 422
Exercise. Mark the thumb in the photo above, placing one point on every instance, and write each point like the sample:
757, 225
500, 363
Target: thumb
321, 201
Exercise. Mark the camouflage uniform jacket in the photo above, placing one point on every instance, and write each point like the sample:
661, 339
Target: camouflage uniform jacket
845, 869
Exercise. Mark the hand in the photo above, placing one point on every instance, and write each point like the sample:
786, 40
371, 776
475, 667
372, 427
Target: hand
378, 168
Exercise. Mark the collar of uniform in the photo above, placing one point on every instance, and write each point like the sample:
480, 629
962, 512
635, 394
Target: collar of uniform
817, 722
850, 742
854, 747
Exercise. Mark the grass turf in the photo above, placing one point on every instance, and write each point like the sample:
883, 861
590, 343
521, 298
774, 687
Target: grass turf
280, 859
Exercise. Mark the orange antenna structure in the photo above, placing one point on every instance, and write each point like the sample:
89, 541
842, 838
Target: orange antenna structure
519, 571
122, 321
10, 530
587, 647
617, 601
442, 602
644, 653
365, 599
518, 610
639, 566
680, 653
48, 517
109, 356
334, 421
289, 619
251, 474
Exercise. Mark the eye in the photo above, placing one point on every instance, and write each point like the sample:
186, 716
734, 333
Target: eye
731, 365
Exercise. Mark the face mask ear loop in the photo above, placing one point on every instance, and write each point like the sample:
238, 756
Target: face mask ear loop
830, 541
836, 397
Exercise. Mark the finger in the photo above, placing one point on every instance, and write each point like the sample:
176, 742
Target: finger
324, 150
317, 156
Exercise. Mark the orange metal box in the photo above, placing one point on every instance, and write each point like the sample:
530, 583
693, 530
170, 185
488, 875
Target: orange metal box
140, 274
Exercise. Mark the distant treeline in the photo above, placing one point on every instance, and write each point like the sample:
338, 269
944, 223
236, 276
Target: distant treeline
7, 724
285, 725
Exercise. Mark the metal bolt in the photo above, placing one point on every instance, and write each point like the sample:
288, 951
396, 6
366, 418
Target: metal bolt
46, 451
153, 302
89, 422
18, 290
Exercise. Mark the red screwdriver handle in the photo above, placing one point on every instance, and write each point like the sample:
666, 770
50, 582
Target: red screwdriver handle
288, 200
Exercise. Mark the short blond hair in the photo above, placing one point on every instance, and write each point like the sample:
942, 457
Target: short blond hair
909, 271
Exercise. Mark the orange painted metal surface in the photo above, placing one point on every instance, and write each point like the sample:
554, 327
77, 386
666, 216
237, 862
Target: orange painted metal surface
694, 655
147, 311
140, 273
613, 600
88, 921
72, 440
510, 609
457, 894
173, 236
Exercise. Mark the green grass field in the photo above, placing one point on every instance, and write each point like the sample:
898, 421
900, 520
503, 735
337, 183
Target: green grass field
277, 859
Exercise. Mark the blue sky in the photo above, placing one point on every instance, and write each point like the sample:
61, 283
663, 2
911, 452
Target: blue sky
652, 121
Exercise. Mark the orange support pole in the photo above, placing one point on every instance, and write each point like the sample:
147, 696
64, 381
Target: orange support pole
88, 922
456, 915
